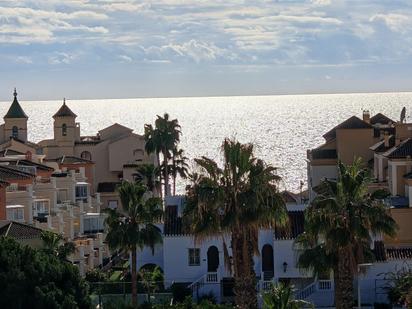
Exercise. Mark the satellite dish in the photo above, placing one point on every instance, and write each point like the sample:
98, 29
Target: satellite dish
403, 114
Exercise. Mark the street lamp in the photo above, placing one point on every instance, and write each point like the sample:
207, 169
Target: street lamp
359, 292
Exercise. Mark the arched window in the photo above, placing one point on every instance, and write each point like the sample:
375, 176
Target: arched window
64, 129
86, 155
15, 132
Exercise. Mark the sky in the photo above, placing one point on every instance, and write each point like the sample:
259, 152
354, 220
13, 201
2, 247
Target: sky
84, 49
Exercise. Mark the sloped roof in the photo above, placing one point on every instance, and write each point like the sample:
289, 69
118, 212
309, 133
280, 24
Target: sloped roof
18, 230
9, 173
64, 111
351, 123
29, 163
381, 118
380, 146
15, 110
10, 152
403, 150
69, 160
383, 254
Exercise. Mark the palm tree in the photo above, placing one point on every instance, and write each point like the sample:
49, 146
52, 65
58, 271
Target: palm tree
237, 200
162, 139
52, 244
178, 166
149, 174
339, 224
281, 297
136, 228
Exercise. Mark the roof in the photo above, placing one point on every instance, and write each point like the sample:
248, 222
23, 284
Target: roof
403, 150
18, 230
107, 186
15, 110
383, 254
10, 152
381, 118
380, 146
69, 160
295, 228
9, 173
351, 123
39, 166
64, 111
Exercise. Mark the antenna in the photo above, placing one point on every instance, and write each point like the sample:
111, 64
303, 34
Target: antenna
403, 114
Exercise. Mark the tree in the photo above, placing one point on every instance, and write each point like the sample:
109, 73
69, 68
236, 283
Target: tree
281, 297
178, 166
152, 280
400, 286
32, 278
53, 244
149, 174
162, 139
237, 200
338, 228
136, 228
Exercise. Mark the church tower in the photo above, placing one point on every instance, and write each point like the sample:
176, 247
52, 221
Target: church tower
15, 121
66, 131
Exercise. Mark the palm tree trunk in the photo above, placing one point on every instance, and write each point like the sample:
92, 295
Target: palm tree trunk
134, 278
166, 172
245, 279
345, 279
338, 291
174, 184
160, 174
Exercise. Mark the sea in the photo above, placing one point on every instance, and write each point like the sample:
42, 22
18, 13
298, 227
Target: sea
281, 127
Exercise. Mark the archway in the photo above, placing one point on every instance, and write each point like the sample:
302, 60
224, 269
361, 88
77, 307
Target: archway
267, 262
212, 259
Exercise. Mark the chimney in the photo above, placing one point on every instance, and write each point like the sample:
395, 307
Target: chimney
386, 139
366, 116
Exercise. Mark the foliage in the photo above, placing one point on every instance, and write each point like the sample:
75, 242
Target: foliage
135, 228
162, 139
32, 278
338, 228
150, 176
53, 244
152, 280
400, 287
281, 297
237, 199
96, 275
188, 303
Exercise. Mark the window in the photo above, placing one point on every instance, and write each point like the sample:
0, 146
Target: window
194, 256
15, 214
40, 208
81, 192
64, 129
112, 204
86, 155
15, 132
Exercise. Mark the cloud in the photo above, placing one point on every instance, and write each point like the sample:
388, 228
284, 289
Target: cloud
61, 58
125, 58
395, 22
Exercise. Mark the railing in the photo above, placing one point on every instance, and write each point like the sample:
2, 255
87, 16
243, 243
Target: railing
325, 285
210, 277
306, 292
265, 285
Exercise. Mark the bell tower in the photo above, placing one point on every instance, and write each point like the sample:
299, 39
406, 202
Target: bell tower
15, 121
